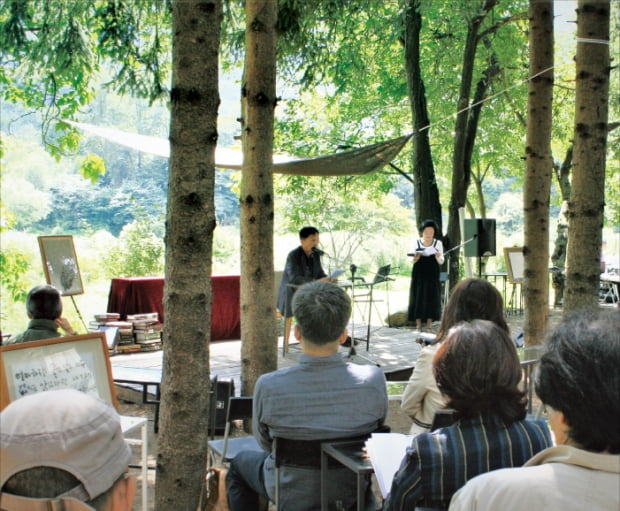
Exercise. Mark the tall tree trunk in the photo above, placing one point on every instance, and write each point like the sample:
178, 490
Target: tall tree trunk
258, 320
588, 184
460, 167
470, 138
558, 257
190, 222
538, 170
426, 192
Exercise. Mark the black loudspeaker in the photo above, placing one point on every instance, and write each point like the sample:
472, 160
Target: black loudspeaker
483, 232
224, 388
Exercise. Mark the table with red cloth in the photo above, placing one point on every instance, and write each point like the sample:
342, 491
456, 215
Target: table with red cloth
139, 295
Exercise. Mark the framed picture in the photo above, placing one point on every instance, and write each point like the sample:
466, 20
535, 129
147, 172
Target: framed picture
514, 264
79, 362
60, 264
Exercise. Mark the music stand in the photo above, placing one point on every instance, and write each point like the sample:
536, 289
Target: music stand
352, 351
382, 276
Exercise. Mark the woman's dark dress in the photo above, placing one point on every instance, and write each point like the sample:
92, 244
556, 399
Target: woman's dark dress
425, 292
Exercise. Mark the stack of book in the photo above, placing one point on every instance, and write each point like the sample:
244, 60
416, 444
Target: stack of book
126, 341
147, 330
102, 319
140, 332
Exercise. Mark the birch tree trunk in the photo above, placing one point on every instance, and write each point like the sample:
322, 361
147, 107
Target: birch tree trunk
258, 99
538, 171
587, 201
190, 221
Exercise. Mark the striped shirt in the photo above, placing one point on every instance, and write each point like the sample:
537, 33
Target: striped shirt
438, 464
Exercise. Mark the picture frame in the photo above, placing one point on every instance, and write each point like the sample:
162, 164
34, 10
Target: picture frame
515, 264
80, 362
60, 264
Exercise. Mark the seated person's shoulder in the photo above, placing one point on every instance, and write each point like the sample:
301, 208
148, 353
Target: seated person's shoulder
498, 488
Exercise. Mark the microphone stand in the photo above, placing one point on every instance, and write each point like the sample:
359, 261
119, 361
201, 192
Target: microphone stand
352, 351
447, 252
461, 245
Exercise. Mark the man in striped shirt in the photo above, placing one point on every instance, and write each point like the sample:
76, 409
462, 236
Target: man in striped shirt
478, 370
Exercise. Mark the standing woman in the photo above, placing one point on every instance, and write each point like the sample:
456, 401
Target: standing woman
425, 293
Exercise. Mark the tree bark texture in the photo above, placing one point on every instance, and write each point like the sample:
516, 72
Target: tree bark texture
258, 98
190, 222
460, 167
538, 172
587, 201
426, 191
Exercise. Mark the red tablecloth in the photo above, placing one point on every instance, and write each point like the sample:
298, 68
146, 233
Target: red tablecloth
137, 295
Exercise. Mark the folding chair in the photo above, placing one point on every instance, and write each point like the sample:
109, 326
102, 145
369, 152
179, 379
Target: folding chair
239, 408
307, 454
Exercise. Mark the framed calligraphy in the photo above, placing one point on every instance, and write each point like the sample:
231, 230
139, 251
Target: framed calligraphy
79, 361
60, 264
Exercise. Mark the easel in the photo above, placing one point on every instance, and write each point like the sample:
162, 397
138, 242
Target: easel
79, 313
61, 267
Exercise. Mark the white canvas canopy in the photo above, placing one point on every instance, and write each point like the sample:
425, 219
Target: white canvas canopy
354, 162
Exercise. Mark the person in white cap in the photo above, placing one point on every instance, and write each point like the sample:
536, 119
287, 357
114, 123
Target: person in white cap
63, 450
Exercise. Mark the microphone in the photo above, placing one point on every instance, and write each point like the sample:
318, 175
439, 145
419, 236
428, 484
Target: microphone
317, 251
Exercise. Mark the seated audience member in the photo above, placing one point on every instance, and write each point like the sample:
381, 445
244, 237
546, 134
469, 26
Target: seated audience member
44, 308
321, 398
478, 370
578, 380
63, 449
470, 299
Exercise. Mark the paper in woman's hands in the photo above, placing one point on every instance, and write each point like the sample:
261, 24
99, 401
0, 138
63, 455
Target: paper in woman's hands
336, 273
426, 251
429, 251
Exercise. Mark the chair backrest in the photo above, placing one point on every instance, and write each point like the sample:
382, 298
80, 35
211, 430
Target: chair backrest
239, 408
443, 417
307, 454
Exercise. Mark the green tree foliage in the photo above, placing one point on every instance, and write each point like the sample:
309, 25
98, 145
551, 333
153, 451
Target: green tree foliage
51, 50
139, 251
13, 262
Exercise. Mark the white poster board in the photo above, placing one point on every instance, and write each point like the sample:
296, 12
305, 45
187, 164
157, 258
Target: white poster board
78, 362
515, 264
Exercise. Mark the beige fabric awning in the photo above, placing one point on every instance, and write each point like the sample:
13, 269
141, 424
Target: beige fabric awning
354, 162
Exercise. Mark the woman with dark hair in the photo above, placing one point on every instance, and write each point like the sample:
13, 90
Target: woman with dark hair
470, 299
425, 293
478, 370
578, 380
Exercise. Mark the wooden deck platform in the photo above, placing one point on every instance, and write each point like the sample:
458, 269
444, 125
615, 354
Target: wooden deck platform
393, 350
